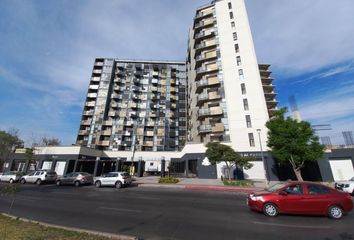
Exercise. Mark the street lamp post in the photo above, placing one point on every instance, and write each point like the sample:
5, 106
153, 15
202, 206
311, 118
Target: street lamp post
262, 156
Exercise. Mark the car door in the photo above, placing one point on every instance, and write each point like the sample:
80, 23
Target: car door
317, 199
292, 199
104, 179
65, 178
34, 177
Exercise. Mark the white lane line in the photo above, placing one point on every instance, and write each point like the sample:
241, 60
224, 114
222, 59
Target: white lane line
121, 209
292, 226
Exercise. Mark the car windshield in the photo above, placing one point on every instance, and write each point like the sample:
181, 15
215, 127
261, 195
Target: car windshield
84, 173
276, 187
352, 179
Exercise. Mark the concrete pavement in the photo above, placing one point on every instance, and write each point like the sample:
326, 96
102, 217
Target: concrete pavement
197, 184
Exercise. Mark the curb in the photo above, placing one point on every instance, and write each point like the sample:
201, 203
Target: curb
200, 187
80, 230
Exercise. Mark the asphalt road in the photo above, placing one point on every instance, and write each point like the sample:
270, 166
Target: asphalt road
152, 213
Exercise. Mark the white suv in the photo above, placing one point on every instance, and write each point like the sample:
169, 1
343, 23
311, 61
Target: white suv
39, 176
346, 186
117, 179
10, 177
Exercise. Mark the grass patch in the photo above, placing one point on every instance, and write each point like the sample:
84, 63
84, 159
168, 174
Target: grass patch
238, 183
168, 180
18, 230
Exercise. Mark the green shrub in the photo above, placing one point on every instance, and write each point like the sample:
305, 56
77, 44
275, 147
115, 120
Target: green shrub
168, 180
238, 183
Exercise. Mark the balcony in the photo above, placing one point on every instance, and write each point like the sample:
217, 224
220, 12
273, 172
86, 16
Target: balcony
148, 143
204, 34
128, 123
206, 56
84, 132
209, 68
206, 128
98, 71
204, 13
172, 89
88, 113
92, 95
149, 133
154, 81
112, 113
154, 89
116, 88
206, 82
95, 79
90, 104
98, 64
271, 103
86, 122
205, 45
104, 143
107, 123
218, 127
204, 23
107, 133
93, 87
202, 98
203, 112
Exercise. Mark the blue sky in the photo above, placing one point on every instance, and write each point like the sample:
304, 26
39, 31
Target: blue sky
48, 48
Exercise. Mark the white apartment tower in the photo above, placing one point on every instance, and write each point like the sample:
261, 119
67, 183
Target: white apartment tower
230, 96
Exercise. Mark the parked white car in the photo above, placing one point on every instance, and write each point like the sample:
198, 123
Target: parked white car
10, 177
39, 176
346, 186
117, 179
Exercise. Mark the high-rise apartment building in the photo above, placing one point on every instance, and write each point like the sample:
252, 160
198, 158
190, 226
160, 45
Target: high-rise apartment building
230, 96
136, 105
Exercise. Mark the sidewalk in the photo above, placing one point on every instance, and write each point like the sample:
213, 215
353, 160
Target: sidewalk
197, 184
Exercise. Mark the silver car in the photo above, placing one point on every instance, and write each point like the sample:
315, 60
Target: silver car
39, 176
75, 178
10, 177
117, 179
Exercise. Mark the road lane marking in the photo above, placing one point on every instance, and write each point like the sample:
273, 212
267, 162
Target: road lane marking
292, 226
121, 209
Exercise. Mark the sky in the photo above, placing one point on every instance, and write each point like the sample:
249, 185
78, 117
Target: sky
47, 50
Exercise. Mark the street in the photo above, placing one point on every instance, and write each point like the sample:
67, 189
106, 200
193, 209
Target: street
153, 213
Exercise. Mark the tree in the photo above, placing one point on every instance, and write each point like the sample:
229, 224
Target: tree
293, 142
9, 141
217, 153
41, 141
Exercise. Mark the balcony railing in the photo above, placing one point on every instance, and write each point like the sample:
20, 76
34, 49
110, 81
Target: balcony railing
204, 128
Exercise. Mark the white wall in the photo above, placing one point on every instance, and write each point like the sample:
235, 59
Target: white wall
234, 98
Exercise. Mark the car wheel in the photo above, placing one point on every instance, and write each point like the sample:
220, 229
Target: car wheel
77, 184
23, 181
39, 182
58, 183
11, 180
270, 210
98, 184
118, 184
335, 212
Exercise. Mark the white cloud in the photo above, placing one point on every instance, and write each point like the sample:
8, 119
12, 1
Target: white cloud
302, 36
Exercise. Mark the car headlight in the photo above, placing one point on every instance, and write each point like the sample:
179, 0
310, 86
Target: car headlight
256, 198
346, 185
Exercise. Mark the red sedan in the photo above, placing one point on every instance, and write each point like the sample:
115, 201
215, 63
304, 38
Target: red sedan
301, 198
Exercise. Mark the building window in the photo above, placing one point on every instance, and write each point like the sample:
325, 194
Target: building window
233, 24
238, 60
234, 35
231, 15
251, 139
240, 73
237, 49
248, 121
243, 89
230, 5
245, 104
